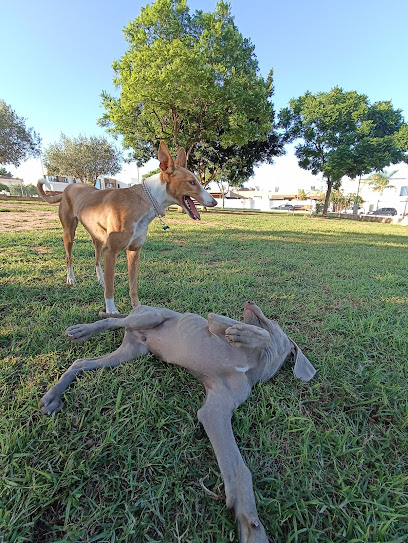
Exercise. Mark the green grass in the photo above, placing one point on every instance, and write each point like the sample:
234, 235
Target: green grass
126, 459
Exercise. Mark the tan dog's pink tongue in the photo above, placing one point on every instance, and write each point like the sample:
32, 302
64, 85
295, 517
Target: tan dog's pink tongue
192, 208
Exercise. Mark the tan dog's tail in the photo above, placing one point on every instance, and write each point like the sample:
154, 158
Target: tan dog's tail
50, 199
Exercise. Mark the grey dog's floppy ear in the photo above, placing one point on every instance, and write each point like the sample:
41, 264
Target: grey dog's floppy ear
303, 368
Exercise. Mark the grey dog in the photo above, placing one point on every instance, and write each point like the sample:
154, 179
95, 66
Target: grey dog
228, 357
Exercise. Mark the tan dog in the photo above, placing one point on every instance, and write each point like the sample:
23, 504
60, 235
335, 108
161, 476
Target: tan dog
118, 219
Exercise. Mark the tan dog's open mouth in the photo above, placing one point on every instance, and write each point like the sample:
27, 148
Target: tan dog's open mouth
190, 208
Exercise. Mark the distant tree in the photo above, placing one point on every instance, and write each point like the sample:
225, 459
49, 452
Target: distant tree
22, 190
4, 187
82, 158
16, 190
337, 199
30, 190
343, 134
149, 174
17, 142
302, 194
224, 186
380, 181
340, 200
5, 173
382, 140
193, 81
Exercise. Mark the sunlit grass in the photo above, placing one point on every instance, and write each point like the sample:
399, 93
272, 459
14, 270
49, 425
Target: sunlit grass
123, 461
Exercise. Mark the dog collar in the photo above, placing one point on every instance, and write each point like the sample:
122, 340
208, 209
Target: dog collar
157, 209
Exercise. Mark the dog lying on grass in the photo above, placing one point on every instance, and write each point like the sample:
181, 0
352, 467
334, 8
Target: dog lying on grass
228, 357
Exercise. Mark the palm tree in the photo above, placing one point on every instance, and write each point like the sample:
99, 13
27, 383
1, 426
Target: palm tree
380, 181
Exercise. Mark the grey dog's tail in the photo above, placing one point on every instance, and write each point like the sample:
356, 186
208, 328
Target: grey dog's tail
50, 199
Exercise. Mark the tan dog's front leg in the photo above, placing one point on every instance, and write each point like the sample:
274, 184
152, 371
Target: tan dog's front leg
215, 416
109, 262
133, 259
98, 267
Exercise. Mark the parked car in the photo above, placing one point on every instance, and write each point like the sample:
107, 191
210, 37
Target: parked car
302, 207
284, 207
388, 211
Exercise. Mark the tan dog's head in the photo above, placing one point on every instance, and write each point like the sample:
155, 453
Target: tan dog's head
182, 184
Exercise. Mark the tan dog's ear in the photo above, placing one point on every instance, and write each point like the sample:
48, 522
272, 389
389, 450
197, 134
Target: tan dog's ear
303, 368
166, 162
181, 158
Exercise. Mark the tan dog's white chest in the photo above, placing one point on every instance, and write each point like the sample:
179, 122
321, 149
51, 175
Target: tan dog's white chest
140, 228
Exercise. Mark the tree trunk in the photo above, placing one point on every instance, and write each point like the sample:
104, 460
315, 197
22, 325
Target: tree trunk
326, 200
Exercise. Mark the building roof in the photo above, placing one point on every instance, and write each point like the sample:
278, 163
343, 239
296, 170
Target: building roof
10, 180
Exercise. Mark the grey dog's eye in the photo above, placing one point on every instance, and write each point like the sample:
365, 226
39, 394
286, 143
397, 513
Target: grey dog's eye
191, 181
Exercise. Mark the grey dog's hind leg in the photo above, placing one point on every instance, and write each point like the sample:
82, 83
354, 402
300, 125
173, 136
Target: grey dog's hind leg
130, 349
141, 318
215, 416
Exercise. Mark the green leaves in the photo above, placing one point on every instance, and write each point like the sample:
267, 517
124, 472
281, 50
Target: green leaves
343, 134
380, 181
82, 158
17, 142
187, 79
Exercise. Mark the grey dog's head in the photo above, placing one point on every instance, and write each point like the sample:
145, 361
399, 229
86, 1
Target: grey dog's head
254, 315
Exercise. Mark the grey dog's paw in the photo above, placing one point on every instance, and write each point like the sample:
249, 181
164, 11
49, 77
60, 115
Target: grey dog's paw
51, 403
247, 336
238, 335
79, 332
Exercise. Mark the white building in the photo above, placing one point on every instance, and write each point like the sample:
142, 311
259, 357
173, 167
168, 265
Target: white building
60, 183
394, 196
11, 181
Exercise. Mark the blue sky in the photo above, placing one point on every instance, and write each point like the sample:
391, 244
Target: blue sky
57, 55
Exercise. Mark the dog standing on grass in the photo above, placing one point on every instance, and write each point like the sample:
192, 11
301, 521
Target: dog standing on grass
118, 219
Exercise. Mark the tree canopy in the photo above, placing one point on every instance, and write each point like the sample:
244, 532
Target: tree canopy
379, 181
17, 142
234, 163
4, 172
344, 135
22, 190
192, 80
82, 158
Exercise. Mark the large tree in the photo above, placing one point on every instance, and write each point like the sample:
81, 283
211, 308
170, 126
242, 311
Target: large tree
343, 134
17, 142
192, 80
84, 158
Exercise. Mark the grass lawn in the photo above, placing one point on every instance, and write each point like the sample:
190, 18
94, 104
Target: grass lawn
127, 461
